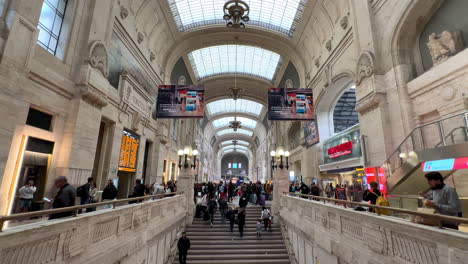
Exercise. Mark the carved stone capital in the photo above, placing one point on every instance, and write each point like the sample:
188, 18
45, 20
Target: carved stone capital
93, 96
123, 12
99, 58
344, 22
365, 66
370, 102
444, 45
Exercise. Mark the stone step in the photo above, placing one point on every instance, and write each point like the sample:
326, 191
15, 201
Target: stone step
227, 237
244, 246
215, 235
194, 251
234, 261
244, 256
221, 228
237, 240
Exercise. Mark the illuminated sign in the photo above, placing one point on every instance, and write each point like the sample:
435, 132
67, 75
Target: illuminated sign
128, 152
341, 150
446, 164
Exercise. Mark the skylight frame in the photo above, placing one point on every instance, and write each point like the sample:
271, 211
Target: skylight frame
239, 142
281, 16
234, 147
231, 131
221, 59
224, 122
224, 106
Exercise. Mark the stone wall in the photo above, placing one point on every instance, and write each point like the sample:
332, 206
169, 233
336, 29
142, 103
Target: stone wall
138, 233
323, 233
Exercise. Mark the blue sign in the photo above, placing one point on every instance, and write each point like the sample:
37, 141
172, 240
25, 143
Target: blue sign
438, 165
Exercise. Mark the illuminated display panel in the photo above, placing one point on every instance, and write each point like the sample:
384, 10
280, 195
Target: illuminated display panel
128, 152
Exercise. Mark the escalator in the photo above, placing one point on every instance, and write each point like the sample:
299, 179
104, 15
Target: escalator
446, 138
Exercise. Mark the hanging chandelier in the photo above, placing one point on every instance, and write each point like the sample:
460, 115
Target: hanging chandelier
235, 124
236, 12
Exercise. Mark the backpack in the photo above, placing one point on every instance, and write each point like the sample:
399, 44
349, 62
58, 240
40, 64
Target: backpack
381, 201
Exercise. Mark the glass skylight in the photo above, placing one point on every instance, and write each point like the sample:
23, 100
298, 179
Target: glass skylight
236, 147
240, 59
227, 151
279, 15
245, 122
229, 105
239, 142
231, 131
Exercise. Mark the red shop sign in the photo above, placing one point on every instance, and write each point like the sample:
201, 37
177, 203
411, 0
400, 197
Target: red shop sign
341, 150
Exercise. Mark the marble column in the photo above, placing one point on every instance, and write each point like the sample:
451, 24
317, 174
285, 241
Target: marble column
185, 183
280, 186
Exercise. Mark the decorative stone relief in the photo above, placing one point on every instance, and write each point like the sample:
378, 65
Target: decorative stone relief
104, 230
414, 250
136, 119
140, 37
125, 222
457, 256
317, 62
182, 80
155, 211
93, 97
365, 66
98, 57
152, 56
351, 227
375, 238
344, 22
328, 45
75, 242
289, 84
444, 45
123, 12
43, 250
370, 102
332, 220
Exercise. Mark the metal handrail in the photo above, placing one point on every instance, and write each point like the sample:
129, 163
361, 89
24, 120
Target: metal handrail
437, 217
76, 208
465, 113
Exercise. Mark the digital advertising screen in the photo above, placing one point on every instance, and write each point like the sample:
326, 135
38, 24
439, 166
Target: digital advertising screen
290, 104
311, 133
180, 101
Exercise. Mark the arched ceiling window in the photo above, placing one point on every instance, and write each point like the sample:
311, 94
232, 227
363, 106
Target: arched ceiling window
231, 131
228, 105
239, 142
344, 114
234, 147
224, 122
282, 16
217, 60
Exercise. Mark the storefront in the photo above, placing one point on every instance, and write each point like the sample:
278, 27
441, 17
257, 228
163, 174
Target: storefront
342, 158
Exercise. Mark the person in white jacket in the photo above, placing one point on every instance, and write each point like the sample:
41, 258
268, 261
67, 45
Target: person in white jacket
26, 195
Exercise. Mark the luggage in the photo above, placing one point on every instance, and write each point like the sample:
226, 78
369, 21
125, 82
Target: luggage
262, 200
206, 215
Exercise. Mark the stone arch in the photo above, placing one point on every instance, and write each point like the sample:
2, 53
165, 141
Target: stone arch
295, 135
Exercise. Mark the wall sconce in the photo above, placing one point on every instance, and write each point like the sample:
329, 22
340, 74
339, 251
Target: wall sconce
180, 153
194, 154
273, 155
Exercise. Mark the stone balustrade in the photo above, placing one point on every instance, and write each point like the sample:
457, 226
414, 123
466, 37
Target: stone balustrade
136, 233
325, 233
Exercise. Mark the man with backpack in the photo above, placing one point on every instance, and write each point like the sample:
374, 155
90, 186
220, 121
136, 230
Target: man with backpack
212, 209
266, 214
231, 216
83, 192
376, 198
305, 190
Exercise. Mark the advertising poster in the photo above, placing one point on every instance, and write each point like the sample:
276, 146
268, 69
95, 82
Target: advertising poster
290, 104
311, 133
180, 101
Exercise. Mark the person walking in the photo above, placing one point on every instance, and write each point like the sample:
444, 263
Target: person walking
241, 221
231, 216
231, 189
26, 195
373, 194
266, 215
92, 195
109, 193
83, 192
443, 198
183, 245
65, 197
212, 209
259, 228
223, 207
243, 200
315, 190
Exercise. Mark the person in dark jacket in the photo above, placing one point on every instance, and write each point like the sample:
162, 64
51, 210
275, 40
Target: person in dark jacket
110, 192
241, 221
83, 192
183, 246
243, 200
223, 207
231, 216
373, 194
65, 197
231, 188
305, 190
315, 190
212, 204
139, 189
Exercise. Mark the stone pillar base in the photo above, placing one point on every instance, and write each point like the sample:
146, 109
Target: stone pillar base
280, 186
185, 184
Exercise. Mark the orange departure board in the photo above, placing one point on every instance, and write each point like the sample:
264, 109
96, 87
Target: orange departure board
128, 152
